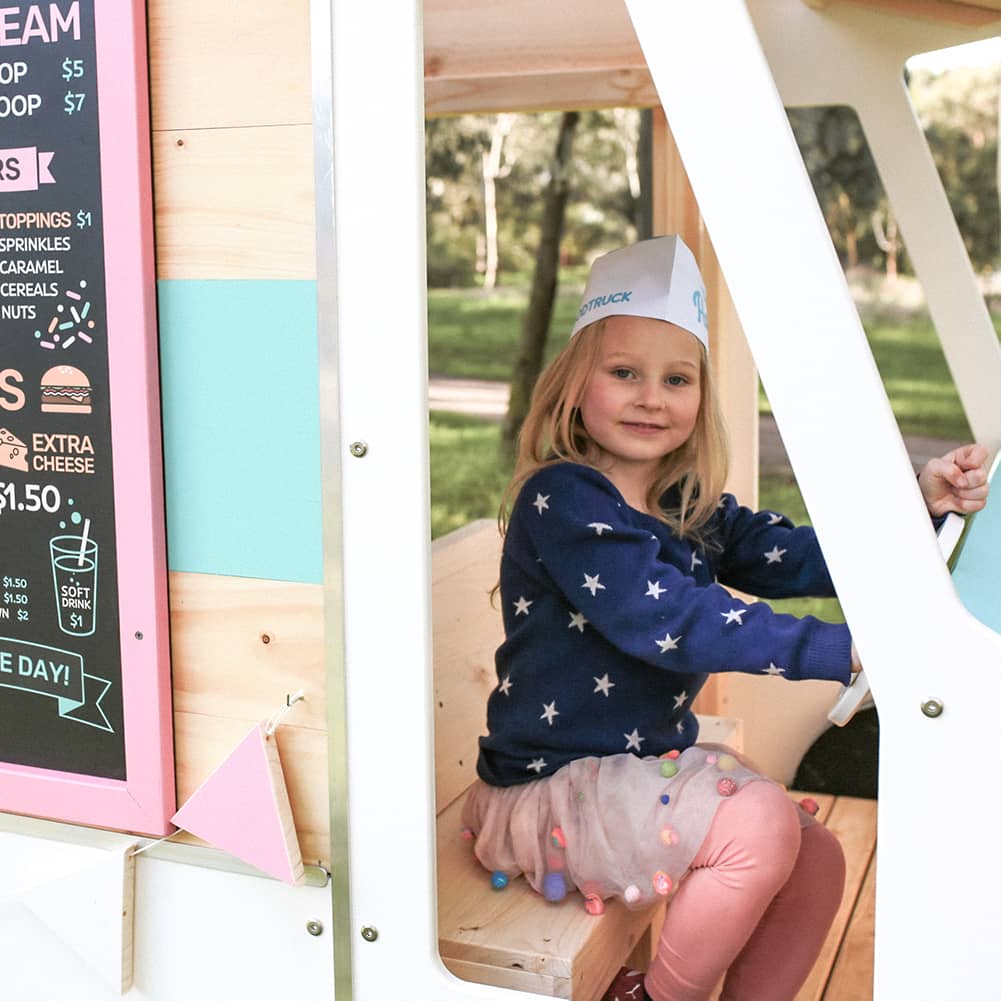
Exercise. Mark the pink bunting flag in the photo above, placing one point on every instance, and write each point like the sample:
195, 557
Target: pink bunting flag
243, 808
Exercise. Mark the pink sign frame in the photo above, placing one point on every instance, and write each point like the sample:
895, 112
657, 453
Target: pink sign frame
146, 800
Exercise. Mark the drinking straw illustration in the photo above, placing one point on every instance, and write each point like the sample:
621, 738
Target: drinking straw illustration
83, 541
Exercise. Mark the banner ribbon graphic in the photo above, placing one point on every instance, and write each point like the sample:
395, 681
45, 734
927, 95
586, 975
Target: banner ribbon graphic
58, 674
24, 169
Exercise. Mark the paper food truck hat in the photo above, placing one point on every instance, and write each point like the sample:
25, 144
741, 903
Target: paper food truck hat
656, 278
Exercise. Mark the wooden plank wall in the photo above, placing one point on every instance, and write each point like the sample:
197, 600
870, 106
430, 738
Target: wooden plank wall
233, 189
232, 139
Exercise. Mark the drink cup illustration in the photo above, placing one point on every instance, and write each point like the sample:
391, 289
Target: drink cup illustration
74, 574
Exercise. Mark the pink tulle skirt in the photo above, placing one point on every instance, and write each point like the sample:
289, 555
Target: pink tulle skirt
618, 826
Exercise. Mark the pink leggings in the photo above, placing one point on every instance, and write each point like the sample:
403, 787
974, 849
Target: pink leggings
756, 904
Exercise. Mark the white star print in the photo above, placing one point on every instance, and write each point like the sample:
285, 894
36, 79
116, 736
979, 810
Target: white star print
599, 526
633, 740
773, 669
668, 643
680, 700
577, 621
549, 711
541, 502
696, 562
654, 590
602, 685
522, 606
593, 584
734, 615
505, 686
776, 554
536, 766
680, 727
632, 990
773, 518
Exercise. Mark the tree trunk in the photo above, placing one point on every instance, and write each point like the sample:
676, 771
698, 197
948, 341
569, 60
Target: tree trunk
491, 171
845, 221
886, 238
851, 249
535, 326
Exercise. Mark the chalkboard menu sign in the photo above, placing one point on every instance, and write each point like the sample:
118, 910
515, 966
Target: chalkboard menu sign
83, 664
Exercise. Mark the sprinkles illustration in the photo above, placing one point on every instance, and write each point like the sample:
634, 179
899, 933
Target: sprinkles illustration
79, 323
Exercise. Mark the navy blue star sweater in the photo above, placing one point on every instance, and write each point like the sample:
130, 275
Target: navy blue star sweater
612, 622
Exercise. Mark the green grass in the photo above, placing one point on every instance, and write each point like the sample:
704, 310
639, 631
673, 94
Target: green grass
467, 478
474, 334
916, 377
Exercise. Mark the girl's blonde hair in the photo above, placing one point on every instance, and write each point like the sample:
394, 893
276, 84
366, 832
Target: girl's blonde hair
554, 432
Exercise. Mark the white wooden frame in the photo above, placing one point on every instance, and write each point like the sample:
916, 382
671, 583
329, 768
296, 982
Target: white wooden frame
937, 924
373, 364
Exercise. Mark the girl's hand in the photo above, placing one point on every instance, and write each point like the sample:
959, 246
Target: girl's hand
956, 482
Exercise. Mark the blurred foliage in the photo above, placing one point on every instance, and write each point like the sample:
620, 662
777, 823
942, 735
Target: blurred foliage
957, 108
600, 213
844, 178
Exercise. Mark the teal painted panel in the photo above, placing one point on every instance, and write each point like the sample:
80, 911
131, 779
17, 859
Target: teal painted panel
975, 572
239, 383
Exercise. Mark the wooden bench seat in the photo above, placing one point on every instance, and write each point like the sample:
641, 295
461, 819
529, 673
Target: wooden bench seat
515, 938
511, 937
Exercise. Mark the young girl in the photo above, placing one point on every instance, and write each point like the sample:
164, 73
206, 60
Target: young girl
617, 548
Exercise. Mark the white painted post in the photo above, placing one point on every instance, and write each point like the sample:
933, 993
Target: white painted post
373, 371
938, 914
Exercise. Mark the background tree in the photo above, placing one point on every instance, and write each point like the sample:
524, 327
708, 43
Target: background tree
493, 169
844, 178
958, 110
453, 157
535, 326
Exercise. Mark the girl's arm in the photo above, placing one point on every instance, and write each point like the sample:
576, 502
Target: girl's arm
764, 554
955, 482
571, 529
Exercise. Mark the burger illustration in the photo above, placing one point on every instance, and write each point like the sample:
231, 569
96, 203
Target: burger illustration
65, 390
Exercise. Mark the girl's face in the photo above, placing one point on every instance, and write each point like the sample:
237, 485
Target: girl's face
642, 399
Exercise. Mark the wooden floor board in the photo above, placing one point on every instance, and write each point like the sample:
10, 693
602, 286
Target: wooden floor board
851, 979
853, 821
